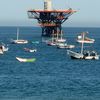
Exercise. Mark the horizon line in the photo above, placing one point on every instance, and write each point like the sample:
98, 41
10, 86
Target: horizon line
40, 27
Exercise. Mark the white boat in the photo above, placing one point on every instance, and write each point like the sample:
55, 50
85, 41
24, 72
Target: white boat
19, 41
50, 43
26, 59
3, 48
30, 50
86, 55
86, 39
75, 55
65, 45
56, 39
61, 42
1, 51
60, 39
83, 54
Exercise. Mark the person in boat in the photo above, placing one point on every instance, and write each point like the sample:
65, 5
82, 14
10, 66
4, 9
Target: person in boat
86, 53
1, 48
93, 53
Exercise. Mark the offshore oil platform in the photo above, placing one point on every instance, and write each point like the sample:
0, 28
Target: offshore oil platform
50, 20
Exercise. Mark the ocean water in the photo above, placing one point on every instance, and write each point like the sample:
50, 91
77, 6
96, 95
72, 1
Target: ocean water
54, 76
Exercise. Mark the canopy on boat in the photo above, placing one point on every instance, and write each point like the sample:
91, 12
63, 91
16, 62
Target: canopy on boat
82, 38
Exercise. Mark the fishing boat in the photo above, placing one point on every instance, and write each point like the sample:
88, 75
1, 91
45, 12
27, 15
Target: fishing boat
19, 41
84, 54
26, 59
3, 48
30, 50
56, 39
52, 41
60, 38
86, 39
61, 43
65, 45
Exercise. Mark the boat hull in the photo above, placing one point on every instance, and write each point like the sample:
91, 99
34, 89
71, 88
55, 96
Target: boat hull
61, 40
51, 44
30, 50
85, 41
26, 60
75, 55
19, 41
66, 46
1, 52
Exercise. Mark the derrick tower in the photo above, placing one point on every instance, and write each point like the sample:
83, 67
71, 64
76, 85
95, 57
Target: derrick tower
50, 20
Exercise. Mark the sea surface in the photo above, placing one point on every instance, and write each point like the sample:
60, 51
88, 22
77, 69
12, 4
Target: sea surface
54, 75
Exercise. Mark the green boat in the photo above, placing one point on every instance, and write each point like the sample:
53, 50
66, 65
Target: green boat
26, 59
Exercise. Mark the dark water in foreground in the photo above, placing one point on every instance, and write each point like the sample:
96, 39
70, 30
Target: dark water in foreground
54, 76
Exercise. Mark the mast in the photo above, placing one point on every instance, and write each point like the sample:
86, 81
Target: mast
61, 35
17, 33
52, 39
57, 35
82, 47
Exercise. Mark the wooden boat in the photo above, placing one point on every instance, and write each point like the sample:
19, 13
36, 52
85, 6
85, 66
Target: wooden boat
83, 54
30, 50
59, 38
86, 55
3, 48
50, 43
75, 55
26, 59
19, 41
65, 45
86, 39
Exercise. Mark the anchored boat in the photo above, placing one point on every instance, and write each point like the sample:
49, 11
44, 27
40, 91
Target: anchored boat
86, 39
3, 48
26, 59
83, 54
19, 41
30, 50
65, 45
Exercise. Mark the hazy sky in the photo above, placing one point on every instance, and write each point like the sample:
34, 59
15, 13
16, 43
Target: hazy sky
14, 12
